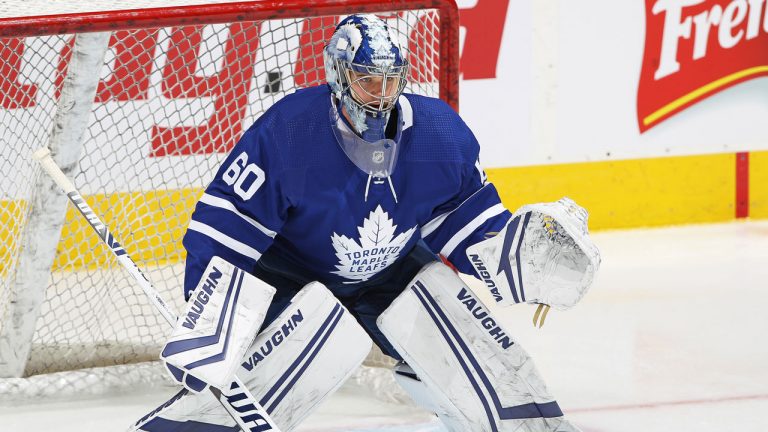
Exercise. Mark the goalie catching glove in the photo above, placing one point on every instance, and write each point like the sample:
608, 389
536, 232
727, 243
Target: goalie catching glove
543, 256
222, 317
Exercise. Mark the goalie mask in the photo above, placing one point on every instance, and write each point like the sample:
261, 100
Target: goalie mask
366, 73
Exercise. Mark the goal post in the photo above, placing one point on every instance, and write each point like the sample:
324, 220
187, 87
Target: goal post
140, 104
47, 207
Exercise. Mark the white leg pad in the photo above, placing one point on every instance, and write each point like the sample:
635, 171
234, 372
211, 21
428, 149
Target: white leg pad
313, 360
479, 378
300, 359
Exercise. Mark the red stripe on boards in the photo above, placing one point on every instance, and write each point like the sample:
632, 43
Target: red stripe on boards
742, 185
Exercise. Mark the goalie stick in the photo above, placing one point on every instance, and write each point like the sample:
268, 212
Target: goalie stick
249, 415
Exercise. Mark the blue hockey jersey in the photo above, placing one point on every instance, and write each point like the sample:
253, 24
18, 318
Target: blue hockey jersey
287, 186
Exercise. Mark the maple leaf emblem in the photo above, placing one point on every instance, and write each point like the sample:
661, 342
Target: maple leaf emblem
377, 249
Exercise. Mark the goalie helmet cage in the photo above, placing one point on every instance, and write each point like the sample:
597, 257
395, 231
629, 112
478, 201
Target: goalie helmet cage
139, 101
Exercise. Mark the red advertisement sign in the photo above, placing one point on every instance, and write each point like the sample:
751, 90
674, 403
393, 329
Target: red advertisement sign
696, 48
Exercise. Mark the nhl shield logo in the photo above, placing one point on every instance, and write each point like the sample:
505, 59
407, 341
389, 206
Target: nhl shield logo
378, 157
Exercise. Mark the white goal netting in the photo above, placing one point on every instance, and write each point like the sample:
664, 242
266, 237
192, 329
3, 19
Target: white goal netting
166, 104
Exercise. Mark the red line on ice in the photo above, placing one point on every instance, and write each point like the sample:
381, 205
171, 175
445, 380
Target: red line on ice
649, 405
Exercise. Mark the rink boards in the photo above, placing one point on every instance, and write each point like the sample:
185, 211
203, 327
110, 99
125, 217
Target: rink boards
618, 194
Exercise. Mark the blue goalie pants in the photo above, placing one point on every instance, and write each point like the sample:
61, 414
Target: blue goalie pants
369, 300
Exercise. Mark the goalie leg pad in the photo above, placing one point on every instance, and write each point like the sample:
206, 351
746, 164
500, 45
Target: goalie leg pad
297, 361
479, 378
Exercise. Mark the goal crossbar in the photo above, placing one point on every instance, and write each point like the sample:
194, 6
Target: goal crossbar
96, 21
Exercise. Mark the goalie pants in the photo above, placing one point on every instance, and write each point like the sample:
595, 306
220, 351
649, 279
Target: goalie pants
370, 297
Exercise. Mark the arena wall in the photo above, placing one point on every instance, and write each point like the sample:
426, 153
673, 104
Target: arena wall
563, 112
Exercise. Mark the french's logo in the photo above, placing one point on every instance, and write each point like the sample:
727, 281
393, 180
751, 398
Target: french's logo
694, 49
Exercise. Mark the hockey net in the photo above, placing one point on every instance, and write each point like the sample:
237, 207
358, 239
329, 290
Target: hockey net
139, 106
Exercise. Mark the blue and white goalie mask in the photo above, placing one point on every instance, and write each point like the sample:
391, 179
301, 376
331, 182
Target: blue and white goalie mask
367, 73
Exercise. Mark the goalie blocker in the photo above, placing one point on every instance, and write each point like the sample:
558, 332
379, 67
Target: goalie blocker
297, 361
221, 319
469, 369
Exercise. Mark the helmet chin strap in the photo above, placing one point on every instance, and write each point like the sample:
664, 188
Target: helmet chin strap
370, 127
377, 125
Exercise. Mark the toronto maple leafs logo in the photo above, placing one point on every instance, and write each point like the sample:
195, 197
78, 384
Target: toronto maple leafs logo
377, 249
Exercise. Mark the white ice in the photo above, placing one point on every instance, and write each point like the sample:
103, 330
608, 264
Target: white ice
671, 338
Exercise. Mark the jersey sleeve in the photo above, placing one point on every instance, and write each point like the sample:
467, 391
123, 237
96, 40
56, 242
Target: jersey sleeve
241, 210
475, 213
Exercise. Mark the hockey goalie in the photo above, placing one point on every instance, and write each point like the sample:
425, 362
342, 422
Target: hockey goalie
322, 231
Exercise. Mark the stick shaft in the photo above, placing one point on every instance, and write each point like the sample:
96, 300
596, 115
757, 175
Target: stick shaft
58, 176
246, 408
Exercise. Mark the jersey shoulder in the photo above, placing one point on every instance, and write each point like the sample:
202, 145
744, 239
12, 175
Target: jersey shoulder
300, 102
294, 128
297, 107
428, 104
439, 133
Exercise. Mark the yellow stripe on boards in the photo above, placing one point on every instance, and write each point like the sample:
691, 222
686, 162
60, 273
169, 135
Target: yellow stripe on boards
618, 194
149, 225
758, 184
629, 193
12, 213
